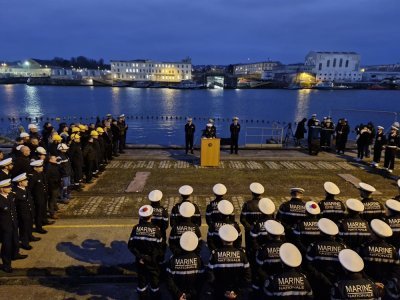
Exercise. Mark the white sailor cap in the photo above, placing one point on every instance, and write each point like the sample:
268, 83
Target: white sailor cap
189, 119
256, 188
297, 190
351, 261
108, 115
209, 125
313, 115
331, 188
19, 147
393, 205
266, 206
225, 207
5, 162
32, 126
395, 128
5, 183
219, 189
189, 241
355, 205
146, 211
185, 190
313, 208
274, 227
327, 226
155, 196
290, 255
37, 163
20, 177
62, 146
381, 228
398, 183
235, 118
41, 150
24, 135
380, 127
228, 233
210, 120
366, 187
122, 116
187, 209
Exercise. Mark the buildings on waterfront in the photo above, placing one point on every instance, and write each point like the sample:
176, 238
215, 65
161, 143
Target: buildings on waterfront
27, 68
334, 66
151, 71
256, 68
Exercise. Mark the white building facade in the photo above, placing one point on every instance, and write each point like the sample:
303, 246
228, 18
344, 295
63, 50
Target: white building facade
149, 70
335, 66
255, 68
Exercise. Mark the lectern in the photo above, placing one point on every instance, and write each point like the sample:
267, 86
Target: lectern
210, 152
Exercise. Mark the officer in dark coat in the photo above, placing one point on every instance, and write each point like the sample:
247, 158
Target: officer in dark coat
330, 207
379, 256
352, 229
76, 156
22, 162
89, 158
65, 172
250, 211
229, 269
380, 142
146, 243
224, 216
53, 179
323, 259
184, 223
108, 137
354, 284
235, 129
209, 133
123, 128
327, 130
342, 132
292, 211
189, 135
38, 190
6, 166
8, 227
185, 191
290, 283
268, 262
97, 151
185, 270
25, 211
300, 131
103, 157
160, 216
219, 191
393, 219
373, 209
393, 142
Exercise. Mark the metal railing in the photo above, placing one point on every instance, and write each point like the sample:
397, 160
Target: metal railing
263, 136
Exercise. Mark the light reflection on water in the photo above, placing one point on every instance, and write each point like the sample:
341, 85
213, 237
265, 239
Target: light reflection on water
303, 105
32, 105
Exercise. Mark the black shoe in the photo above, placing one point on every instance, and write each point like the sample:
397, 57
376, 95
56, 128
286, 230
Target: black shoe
26, 247
34, 239
41, 231
7, 269
20, 256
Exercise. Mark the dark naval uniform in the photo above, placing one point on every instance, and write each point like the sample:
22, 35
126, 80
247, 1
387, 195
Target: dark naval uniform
380, 141
213, 239
180, 228
146, 244
235, 129
354, 231
393, 142
248, 217
230, 270
372, 210
290, 284
290, 212
4, 175
380, 258
160, 218
8, 229
175, 215
26, 214
38, 190
189, 136
332, 209
258, 234
185, 274
212, 212
306, 232
354, 286
394, 223
76, 156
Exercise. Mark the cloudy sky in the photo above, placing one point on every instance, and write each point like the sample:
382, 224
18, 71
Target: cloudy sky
209, 31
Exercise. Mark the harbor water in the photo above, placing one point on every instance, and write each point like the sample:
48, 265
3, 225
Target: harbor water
157, 116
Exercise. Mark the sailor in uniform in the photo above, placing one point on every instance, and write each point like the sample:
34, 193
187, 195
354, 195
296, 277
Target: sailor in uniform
219, 191
330, 207
185, 191
393, 141
209, 132
380, 142
235, 129
290, 283
185, 271
352, 229
146, 244
160, 214
229, 270
354, 284
6, 166
189, 135
393, 219
292, 211
373, 209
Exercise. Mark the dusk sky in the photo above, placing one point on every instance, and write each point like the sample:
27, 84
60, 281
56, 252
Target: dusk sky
209, 31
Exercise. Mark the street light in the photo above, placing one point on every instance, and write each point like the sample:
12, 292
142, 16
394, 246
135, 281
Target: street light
26, 63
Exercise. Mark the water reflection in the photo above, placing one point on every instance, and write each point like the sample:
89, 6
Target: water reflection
168, 100
303, 104
33, 106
